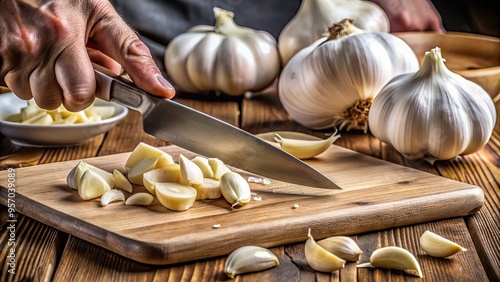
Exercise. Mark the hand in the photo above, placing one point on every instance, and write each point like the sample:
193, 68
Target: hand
47, 50
411, 15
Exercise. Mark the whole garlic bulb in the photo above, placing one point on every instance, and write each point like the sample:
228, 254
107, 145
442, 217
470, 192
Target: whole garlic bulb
224, 58
331, 82
314, 16
433, 113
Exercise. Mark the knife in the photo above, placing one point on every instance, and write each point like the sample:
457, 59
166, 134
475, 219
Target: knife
206, 135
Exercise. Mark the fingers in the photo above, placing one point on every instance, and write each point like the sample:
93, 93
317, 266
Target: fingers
105, 61
45, 89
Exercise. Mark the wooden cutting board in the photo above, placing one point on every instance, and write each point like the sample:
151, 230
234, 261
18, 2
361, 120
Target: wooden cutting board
376, 195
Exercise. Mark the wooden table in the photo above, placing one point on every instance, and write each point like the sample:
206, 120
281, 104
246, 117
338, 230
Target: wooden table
44, 253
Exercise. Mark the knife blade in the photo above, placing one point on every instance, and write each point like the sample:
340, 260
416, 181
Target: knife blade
206, 135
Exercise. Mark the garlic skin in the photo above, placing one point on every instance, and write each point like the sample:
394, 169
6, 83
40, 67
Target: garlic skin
433, 114
332, 82
314, 16
235, 189
438, 246
249, 259
305, 149
319, 258
224, 58
394, 258
342, 246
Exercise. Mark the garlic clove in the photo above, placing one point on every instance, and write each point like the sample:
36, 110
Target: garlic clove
92, 185
235, 189
393, 258
438, 246
136, 173
305, 149
218, 167
143, 151
190, 173
168, 173
249, 259
73, 177
209, 189
319, 258
205, 167
175, 196
342, 246
121, 181
139, 199
112, 195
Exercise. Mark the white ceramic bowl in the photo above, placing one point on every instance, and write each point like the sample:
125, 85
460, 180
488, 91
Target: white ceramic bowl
56, 135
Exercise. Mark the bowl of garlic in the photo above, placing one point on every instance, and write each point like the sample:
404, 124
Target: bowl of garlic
25, 124
475, 57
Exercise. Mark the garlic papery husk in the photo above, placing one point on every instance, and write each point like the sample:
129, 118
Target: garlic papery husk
314, 16
332, 82
224, 58
433, 113
249, 259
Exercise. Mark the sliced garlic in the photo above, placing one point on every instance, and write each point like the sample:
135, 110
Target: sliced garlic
235, 189
92, 185
209, 189
190, 173
168, 173
143, 151
205, 167
175, 196
320, 259
136, 173
437, 246
112, 195
218, 167
249, 259
305, 149
139, 199
121, 181
73, 177
342, 246
394, 258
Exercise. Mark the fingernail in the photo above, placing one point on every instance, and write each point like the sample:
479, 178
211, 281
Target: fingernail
164, 82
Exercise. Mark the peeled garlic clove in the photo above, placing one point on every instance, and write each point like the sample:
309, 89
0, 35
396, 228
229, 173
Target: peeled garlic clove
319, 258
92, 185
76, 173
112, 195
249, 259
437, 246
143, 151
342, 246
305, 149
136, 173
121, 181
393, 258
218, 167
205, 167
139, 199
235, 189
209, 189
168, 173
175, 196
190, 173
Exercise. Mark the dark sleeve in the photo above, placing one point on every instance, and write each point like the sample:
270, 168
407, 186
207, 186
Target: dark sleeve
158, 21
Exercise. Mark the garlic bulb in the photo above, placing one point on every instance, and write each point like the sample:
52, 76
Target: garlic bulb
433, 113
226, 58
331, 82
314, 16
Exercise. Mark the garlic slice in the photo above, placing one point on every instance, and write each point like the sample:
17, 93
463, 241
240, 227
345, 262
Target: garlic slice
136, 173
190, 173
168, 173
218, 167
438, 246
249, 259
342, 246
175, 196
393, 258
235, 189
305, 149
92, 185
205, 167
209, 189
143, 151
121, 181
319, 258
112, 195
139, 199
